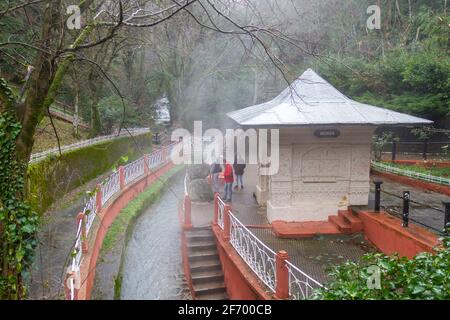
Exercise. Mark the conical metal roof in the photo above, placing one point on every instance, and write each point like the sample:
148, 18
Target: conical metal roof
311, 100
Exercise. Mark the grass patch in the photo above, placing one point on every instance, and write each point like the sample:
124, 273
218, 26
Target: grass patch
45, 137
135, 208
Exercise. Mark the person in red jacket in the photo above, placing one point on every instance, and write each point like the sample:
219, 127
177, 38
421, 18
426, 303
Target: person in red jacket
228, 178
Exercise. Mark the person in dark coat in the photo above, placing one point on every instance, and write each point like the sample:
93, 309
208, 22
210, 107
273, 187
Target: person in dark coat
215, 170
239, 167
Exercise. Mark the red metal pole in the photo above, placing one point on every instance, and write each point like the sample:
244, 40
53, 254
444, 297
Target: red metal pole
84, 244
146, 164
282, 276
226, 223
98, 198
122, 177
70, 275
187, 213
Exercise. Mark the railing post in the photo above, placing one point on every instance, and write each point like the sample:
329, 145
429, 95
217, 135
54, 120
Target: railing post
84, 244
71, 277
406, 197
226, 222
447, 217
216, 209
394, 150
122, 177
282, 276
377, 195
187, 213
425, 150
98, 198
146, 164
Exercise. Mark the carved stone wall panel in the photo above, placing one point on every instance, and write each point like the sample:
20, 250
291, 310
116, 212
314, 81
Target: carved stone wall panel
360, 163
285, 167
281, 192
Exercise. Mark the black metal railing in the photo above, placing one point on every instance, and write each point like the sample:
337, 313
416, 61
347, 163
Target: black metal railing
405, 213
416, 149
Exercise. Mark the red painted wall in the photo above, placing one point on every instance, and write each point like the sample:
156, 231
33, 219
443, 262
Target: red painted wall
388, 235
107, 216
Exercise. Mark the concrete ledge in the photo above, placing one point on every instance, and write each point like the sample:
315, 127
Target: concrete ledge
414, 183
301, 230
388, 235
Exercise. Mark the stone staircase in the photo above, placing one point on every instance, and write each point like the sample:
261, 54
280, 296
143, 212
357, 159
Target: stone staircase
206, 270
347, 222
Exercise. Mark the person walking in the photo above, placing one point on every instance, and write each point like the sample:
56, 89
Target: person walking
239, 167
228, 179
215, 172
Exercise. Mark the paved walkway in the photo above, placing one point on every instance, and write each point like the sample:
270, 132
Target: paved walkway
421, 213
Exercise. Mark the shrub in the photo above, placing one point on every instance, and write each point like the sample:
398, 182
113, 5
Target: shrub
425, 277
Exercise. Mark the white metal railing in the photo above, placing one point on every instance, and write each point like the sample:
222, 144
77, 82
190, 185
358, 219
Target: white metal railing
262, 260
77, 253
90, 211
259, 257
35, 157
220, 213
109, 188
409, 173
134, 170
301, 286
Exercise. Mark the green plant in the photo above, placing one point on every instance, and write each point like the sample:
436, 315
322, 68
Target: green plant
18, 223
379, 142
426, 276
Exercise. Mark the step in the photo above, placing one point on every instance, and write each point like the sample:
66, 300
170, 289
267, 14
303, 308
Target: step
342, 225
354, 221
203, 255
214, 296
201, 246
207, 276
199, 237
205, 265
208, 288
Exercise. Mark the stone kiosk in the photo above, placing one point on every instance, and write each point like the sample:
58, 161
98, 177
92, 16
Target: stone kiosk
325, 149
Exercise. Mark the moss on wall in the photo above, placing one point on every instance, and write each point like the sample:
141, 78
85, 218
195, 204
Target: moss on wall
53, 177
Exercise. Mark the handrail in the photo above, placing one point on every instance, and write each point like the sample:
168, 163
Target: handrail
109, 188
262, 260
259, 257
35, 157
300, 284
220, 213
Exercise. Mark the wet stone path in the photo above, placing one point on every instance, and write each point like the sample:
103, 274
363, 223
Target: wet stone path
152, 266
